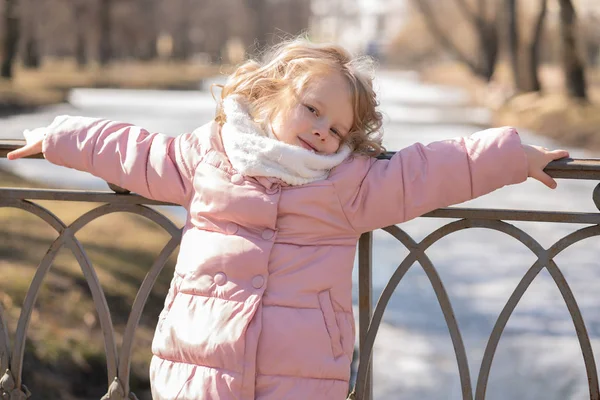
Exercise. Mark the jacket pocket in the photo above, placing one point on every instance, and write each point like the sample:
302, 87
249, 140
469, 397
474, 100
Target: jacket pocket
331, 324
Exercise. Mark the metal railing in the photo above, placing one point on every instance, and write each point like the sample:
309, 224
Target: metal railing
118, 362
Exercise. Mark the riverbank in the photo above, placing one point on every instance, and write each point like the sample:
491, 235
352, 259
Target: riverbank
31, 89
64, 354
550, 113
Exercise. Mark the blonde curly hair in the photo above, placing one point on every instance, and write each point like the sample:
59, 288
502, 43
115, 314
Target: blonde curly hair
289, 67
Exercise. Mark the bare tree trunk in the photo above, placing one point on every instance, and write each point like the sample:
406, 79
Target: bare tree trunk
149, 14
486, 30
489, 43
11, 38
182, 47
443, 37
487, 35
80, 42
261, 27
534, 48
299, 16
105, 45
592, 46
31, 53
572, 62
31, 58
513, 42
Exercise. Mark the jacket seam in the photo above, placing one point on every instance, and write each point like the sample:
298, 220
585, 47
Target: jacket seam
319, 245
468, 155
92, 157
337, 196
188, 380
208, 296
192, 172
148, 161
196, 364
303, 377
305, 308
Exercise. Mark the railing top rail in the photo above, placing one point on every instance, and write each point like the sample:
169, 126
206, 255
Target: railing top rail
568, 168
77, 195
449, 212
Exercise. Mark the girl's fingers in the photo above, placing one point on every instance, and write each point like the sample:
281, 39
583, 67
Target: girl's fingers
545, 179
557, 154
33, 144
27, 150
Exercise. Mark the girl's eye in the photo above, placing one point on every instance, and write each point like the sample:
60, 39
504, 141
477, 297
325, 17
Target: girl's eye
312, 109
335, 132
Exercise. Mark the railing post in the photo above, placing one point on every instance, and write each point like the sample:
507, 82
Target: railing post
365, 300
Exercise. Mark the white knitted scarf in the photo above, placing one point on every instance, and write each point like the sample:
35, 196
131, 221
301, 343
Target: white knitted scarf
254, 152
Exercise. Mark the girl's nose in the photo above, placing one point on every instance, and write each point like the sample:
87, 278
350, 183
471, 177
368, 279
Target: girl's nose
320, 131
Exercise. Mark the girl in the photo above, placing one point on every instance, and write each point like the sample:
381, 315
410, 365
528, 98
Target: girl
278, 188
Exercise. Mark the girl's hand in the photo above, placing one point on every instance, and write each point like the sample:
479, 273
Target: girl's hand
537, 158
33, 140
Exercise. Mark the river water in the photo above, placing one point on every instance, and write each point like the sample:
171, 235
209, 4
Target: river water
538, 356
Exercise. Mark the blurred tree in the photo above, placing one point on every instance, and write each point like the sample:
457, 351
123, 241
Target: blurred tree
513, 42
485, 27
30, 23
182, 49
31, 57
258, 9
105, 50
298, 13
591, 38
79, 11
289, 17
149, 14
525, 64
11, 38
215, 38
535, 45
106, 30
572, 62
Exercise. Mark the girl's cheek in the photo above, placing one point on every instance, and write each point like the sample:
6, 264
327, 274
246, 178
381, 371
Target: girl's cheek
300, 112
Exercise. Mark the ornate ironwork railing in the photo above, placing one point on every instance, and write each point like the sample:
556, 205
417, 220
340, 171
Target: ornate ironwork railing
118, 362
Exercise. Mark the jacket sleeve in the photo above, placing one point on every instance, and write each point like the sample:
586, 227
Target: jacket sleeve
419, 178
152, 165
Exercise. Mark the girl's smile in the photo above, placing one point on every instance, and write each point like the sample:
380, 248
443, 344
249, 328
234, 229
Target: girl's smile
307, 145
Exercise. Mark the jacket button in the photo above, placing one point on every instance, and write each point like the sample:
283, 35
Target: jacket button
236, 179
220, 278
268, 234
258, 281
231, 228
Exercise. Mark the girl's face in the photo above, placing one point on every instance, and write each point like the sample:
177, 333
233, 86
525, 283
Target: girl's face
319, 118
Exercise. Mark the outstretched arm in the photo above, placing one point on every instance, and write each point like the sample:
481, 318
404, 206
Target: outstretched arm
419, 178
153, 165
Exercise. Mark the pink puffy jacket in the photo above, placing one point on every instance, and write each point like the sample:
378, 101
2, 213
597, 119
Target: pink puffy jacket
260, 306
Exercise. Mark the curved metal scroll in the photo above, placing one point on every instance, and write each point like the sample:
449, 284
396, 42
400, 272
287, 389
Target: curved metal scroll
4, 342
66, 236
544, 259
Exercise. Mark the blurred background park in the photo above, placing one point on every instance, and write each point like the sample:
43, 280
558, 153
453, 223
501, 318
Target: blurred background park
534, 62
445, 68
